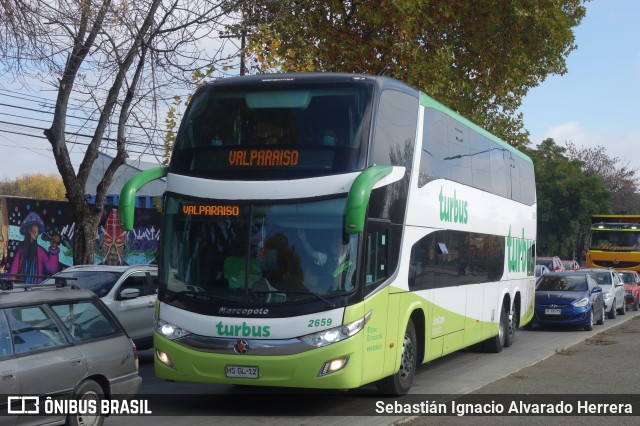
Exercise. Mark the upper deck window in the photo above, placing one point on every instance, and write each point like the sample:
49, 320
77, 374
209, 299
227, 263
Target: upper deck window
274, 132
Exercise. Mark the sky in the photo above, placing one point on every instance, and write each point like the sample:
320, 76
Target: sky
596, 103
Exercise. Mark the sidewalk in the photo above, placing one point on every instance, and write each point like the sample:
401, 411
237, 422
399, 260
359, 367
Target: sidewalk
605, 364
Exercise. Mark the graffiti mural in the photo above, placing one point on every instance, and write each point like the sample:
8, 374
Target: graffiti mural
115, 246
36, 238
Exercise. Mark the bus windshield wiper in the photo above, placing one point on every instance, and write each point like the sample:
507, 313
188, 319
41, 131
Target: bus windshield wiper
318, 295
190, 293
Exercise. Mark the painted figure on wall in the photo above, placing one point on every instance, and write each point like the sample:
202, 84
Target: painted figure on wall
114, 239
32, 262
4, 235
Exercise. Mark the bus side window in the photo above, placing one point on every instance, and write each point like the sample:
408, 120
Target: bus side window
376, 254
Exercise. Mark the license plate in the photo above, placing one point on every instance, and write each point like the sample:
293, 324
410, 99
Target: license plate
552, 311
241, 371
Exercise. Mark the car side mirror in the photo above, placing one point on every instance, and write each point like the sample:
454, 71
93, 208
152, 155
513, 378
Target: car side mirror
129, 293
597, 290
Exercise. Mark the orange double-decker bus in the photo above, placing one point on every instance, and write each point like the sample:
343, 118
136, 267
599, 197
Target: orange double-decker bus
614, 242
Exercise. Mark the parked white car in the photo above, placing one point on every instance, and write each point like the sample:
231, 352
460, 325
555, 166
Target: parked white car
130, 292
612, 289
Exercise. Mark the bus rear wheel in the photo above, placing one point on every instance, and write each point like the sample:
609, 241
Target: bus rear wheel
400, 382
513, 323
496, 343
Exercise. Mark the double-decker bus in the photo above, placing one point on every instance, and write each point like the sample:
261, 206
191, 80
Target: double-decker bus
614, 242
334, 230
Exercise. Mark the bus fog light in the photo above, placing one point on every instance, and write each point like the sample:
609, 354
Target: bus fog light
333, 365
164, 358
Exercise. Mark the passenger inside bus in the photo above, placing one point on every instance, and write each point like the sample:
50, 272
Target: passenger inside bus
329, 137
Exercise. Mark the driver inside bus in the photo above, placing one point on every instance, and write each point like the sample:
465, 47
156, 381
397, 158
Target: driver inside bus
333, 263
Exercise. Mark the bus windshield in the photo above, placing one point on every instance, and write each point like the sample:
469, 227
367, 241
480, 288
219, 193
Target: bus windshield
255, 253
257, 132
615, 240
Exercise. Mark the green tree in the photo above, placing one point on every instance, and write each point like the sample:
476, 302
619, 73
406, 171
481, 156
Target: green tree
38, 185
566, 200
478, 57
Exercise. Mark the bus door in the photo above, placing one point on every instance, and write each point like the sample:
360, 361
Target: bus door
380, 330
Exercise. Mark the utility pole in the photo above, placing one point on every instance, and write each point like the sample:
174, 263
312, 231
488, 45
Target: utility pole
243, 37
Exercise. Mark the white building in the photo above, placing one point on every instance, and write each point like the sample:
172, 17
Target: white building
131, 168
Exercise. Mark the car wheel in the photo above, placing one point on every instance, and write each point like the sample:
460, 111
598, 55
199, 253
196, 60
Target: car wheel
601, 319
623, 310
613, 313
589, 326
87, 391
400, 383
635, 305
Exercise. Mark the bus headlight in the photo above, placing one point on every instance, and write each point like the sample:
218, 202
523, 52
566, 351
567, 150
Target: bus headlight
336, 334
170, 331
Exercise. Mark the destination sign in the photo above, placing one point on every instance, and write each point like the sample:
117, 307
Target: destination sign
203, 210
263, 157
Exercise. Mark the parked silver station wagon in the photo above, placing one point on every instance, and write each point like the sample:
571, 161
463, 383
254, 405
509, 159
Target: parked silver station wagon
61, 342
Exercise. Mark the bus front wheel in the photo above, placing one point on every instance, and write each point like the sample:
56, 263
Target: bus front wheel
400, 382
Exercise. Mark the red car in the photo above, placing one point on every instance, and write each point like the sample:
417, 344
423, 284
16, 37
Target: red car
570, 265
631, 281
553, 263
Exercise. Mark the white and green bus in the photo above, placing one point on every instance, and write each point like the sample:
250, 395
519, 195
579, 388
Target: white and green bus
335, 230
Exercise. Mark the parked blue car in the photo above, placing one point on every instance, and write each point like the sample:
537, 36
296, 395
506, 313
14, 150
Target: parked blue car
568, 298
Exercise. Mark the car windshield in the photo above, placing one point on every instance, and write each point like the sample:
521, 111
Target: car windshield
99, 282
602, 279
562, 283
628, 277
545, 262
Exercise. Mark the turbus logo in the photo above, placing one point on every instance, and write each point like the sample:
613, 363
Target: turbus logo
244, 330
453, 209
519, 253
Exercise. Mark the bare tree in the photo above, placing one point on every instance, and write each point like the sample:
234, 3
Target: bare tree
120, 62
617, 176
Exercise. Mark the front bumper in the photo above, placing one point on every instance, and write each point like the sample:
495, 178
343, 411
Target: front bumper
567, 316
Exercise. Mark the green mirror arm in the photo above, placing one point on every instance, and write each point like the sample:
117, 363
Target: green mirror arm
359, 194
127, 203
